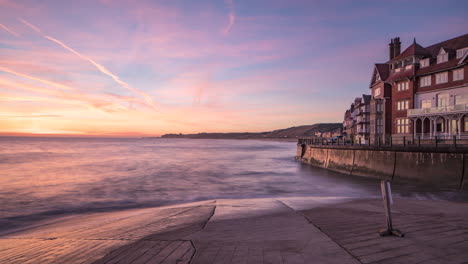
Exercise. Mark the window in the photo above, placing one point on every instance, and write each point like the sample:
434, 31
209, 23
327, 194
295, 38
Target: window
377, 77
379, 107
442, 100
465, 128
402, 125
426, 103
461, 99
442, 77
377, 92
458, 75
442, 57
403, 86
379, 126
461, 52
425, 81
402, 105
424, 63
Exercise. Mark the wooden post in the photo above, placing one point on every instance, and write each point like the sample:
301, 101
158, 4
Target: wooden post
419, 141
404, 141
359, 141
455, 141
388, 201
435, 138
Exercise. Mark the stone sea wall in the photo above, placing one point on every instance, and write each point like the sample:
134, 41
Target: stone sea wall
443, 168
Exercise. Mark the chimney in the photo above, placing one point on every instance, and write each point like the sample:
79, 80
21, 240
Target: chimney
397, 47
391, 49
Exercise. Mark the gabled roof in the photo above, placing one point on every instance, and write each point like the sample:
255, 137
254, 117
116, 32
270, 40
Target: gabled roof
414, 49
439, 67
453, 44
366, 98
448, 45
382, 69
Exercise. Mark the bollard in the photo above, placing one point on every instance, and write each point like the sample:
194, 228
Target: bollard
435, 139
388, 201
359, 141
404, 141
391, 141
455, 141
419, 141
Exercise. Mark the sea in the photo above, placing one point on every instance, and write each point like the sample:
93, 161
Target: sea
44, 177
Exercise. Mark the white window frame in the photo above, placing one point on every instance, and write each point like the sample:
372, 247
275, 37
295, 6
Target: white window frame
425, 81
445, 98
424, 63
402, 125
442, 57
458, 74
427, 102
461, 99
461, 52
441, 77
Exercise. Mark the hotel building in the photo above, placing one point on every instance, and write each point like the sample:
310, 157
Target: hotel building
422, 91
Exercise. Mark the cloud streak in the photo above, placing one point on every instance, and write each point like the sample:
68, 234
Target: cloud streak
100, 67
9, 30
54, 84
232, 16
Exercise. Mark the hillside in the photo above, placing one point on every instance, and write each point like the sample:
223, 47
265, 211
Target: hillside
292, 132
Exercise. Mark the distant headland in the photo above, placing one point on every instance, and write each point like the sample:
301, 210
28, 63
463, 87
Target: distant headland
322, 129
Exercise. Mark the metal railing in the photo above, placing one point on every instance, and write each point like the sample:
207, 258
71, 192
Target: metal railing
437, 110
415, 141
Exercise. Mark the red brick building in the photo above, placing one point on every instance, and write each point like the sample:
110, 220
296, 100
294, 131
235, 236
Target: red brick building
421, 91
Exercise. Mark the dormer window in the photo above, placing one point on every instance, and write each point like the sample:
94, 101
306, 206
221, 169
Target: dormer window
443, 56
424, 63
461, 52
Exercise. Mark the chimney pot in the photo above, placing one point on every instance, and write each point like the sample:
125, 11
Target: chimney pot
391, 48
397, 47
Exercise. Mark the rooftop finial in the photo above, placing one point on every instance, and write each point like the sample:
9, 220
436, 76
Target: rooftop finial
414, 40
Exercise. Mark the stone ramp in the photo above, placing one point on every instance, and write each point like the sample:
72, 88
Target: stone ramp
435, 232
263, 231
287, 230
131, 236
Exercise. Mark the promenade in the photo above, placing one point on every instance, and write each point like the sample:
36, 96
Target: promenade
287, 230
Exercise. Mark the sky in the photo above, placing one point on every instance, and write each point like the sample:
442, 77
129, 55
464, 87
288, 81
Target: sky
147, 68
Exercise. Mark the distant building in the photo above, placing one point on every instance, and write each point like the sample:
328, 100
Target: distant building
362, 118
356, 123
348, 123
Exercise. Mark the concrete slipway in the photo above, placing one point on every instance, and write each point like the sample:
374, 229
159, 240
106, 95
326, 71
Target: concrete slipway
288, 230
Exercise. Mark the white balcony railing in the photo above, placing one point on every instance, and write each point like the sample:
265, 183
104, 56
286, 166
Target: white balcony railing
438, 110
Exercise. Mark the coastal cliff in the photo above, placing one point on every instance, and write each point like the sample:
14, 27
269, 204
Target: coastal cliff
291, 132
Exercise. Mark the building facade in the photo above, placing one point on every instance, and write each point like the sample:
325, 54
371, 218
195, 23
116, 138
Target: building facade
348, 123
441, 95
421, 91
362, 117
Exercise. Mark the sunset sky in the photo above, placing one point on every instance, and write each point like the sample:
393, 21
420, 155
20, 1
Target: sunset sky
146, 68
